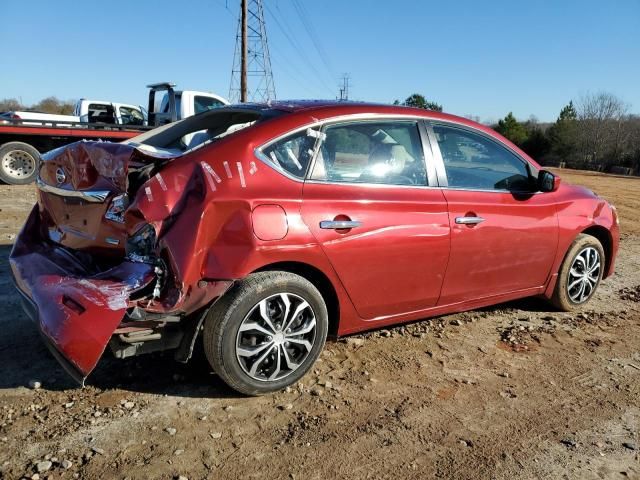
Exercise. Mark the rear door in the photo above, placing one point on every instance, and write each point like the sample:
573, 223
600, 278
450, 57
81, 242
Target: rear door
384, 229
504, 235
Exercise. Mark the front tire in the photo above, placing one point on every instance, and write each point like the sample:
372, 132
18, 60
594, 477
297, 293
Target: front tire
580, 273
266, 332
18, 163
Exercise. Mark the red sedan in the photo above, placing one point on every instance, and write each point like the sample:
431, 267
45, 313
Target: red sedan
261, 229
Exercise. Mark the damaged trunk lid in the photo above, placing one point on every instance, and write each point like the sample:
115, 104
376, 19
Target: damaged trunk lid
85, 189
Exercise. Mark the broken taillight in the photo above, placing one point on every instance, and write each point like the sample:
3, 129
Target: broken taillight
118, 206
140, 245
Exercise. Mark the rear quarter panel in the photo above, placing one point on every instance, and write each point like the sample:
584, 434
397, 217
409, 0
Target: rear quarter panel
201, 205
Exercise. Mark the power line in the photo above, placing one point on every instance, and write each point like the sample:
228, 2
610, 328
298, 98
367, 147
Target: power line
296, 46
311, 83
308, 26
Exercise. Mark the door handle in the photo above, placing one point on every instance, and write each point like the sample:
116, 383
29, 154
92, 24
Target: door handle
469, 220
339, 224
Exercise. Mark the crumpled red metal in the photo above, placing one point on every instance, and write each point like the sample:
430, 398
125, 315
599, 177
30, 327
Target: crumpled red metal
76, 310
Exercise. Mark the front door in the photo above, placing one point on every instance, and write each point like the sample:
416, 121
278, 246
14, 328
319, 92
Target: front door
504, 235
384, 230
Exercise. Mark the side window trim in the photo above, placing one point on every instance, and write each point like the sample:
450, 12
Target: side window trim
439, 161
428, 155
260, 155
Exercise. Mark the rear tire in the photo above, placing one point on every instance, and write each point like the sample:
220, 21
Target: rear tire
18, 163
580, 273
266, 332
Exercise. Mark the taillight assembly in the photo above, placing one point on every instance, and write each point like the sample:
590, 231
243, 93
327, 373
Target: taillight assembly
141, 244
117, 207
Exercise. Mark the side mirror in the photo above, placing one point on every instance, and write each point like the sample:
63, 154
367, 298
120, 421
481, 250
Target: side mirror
547, 181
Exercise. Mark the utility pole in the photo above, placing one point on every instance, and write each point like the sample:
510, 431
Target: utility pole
344, 90
243, 74
251, 75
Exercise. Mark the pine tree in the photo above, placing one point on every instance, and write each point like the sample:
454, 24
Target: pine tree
563, 134
419, 101
510, 128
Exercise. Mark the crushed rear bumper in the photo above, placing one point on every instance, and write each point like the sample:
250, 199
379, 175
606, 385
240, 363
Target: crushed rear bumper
76, 310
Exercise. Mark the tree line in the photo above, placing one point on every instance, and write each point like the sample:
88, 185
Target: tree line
46, 105
596, 132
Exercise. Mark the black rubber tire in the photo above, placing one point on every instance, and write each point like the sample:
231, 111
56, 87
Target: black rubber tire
224, 319
560, 298
5, 177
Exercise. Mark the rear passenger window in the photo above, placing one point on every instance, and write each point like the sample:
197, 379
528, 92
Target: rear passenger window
387, 152
293, 153
473, 161
131, 116
101, 113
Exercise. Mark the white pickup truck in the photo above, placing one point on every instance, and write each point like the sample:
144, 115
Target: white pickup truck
86, 111
178, 104
24, 135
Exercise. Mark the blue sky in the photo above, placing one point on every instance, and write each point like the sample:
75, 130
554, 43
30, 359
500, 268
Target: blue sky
475, 58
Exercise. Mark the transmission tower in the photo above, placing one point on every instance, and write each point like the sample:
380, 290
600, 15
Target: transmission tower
251, 76
344, 89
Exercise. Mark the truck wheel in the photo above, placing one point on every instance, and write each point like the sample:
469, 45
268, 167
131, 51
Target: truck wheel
580, 273
266, 332
18, 163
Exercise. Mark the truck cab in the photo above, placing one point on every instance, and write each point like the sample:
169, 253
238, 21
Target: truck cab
167, 105
97, 111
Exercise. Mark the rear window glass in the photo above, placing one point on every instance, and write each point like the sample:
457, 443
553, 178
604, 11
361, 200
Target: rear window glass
209, 127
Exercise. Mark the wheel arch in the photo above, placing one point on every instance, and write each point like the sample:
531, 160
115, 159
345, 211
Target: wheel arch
603, 235
321, 282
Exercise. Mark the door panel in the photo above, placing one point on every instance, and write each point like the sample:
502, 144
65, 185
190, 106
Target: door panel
502, 239
512, 248
394, 260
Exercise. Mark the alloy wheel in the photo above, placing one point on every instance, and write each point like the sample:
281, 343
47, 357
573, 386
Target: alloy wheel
276, 337
584, 275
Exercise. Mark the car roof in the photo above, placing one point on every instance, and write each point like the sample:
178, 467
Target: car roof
326, 109
335, 107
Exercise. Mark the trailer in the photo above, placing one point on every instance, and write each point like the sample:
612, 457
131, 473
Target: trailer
22, 140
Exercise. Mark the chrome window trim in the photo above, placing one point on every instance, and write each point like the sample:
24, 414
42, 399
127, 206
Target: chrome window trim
441, 172
258, 151
428, 156
91, 196
370, 185
441, 178
269, 163
485, 190
440, 166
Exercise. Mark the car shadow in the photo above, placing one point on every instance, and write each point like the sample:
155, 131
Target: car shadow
25, 358
529, 304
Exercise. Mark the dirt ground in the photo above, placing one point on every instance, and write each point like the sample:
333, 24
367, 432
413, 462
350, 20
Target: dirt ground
512, 391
